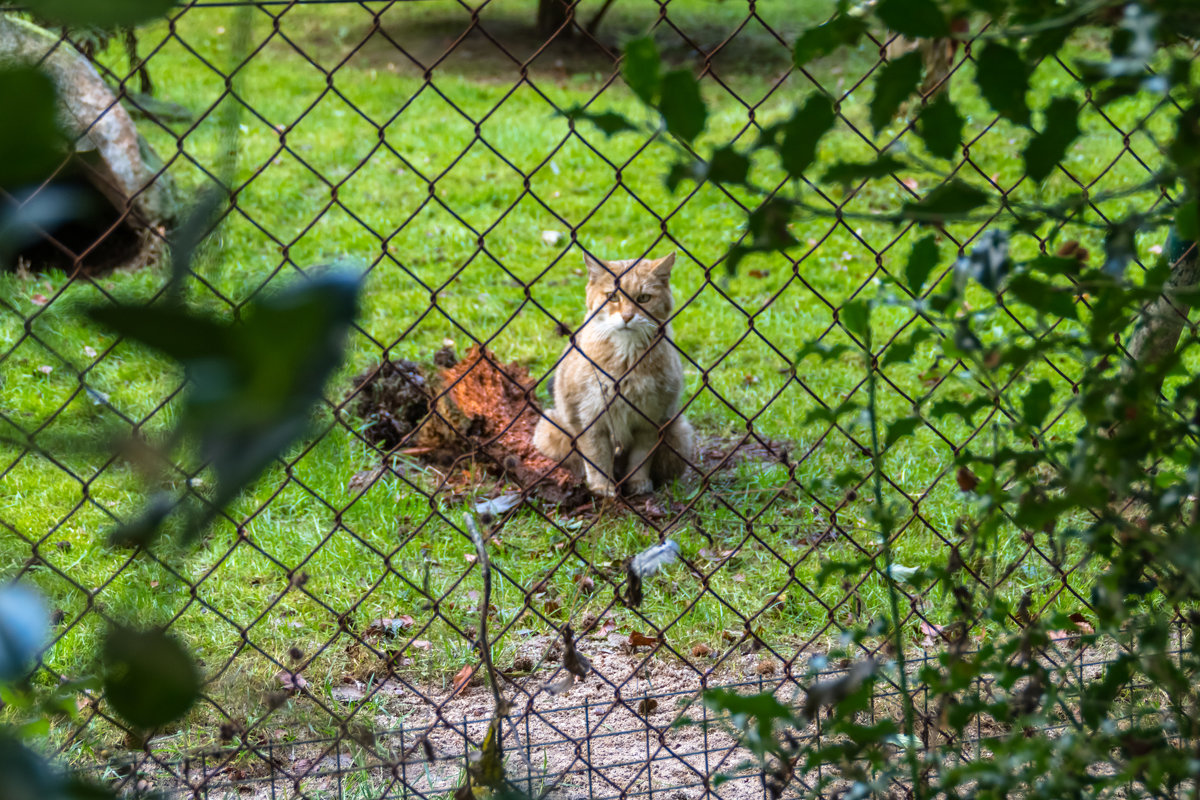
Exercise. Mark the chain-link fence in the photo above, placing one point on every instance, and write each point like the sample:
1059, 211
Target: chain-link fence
334, 606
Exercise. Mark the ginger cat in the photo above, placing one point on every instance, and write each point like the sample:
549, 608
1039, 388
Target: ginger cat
618, 386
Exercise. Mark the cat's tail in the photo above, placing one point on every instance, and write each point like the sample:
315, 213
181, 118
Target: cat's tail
675, 452
551, 439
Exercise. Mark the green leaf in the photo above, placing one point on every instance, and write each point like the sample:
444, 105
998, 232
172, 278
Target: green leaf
26, 775
681, 171
764, 709
832, 415
944, 408
102, 13
728, 166
24, 629
824, 39
1054, 265
821, 349
609, 122
902, 350
642, 67
899, 429
252, 385
1047, 42
940, 127
803, 131
850, 172
1003, 79
1042, 297
33, 148
856, 317
1047, 148
1187, 221
951, 199
290, 344
143, 528
1036, 403
174, 331
921, 262
916, 19
682, 106
896, 82
767, 229
149, 678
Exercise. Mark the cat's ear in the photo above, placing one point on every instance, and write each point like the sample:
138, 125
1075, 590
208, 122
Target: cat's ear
597, 270
662, 267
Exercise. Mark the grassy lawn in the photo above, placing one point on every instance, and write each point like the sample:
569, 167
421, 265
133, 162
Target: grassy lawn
444, 188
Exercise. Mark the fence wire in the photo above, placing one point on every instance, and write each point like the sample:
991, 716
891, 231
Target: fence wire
400, 727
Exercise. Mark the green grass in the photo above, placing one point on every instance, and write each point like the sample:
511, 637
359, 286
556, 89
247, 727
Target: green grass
337, 194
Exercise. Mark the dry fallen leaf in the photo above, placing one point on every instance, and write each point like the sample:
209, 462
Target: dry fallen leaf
765, 667
758, 273
1081, 622
641, 640
291, 681
647, 706
39, 299
461, 680
701, 650
930, 633
967, 480
362, 479
585, 583
421, 644
389, 626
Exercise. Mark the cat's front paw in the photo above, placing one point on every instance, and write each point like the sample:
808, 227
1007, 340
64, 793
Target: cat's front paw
602, 488
636, 487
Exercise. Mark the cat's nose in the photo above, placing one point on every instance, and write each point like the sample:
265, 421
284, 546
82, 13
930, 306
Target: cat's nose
627, 314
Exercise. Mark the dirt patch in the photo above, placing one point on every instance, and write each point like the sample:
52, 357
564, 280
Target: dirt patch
392, 399
717, 453
449, 413
621, 731
498, 400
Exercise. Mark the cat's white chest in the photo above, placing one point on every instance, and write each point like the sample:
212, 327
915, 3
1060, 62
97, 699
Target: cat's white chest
628, 346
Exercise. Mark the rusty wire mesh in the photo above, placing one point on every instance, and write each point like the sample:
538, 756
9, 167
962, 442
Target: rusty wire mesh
615, 743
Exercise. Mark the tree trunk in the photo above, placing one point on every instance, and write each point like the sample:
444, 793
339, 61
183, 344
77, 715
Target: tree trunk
552, 15
1157, 331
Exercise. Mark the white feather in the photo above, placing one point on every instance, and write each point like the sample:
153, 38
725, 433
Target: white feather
652, 559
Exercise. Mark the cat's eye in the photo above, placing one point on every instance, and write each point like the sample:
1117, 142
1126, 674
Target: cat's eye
642, 298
